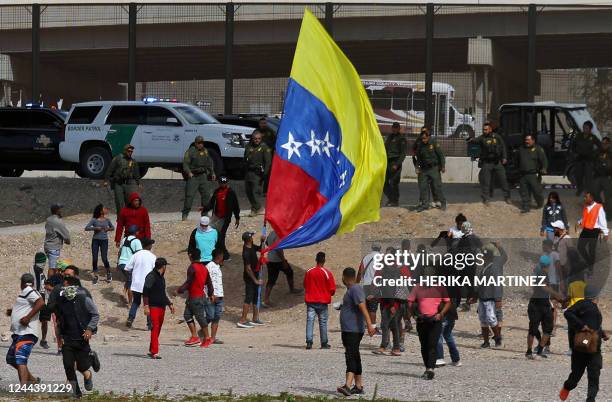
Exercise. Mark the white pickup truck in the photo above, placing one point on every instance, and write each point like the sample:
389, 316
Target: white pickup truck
161, 132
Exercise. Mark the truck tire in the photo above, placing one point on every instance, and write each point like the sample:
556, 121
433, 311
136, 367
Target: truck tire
94, 162
10, 172
463, 132
143, 171
217, 161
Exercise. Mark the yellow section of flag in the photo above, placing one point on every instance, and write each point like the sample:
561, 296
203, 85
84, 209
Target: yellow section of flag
324, 70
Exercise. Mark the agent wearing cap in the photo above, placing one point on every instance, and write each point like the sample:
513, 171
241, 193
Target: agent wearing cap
123, 175
396, 148
223, 204
56, 234
155, 301
429, 163
198, 166
257, 162
585, 316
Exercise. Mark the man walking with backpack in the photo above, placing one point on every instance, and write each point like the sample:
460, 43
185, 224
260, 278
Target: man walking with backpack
129, 245
584, 316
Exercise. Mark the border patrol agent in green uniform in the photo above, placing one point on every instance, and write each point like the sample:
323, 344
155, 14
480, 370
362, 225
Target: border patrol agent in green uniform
257, 162
396, 146
602, 182
198, 166
584, 147
268, 136
429, 162
532, 163
493, 157
123, 175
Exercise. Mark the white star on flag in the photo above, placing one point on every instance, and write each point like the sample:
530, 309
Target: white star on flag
343, 178
314, 144
292, 146
327, 145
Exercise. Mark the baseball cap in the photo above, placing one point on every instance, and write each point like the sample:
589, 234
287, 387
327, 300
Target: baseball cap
247, 235
27, 278
132, 229
544, 261
63, 263
591, 292
147, 242
490, 249
395, 125
128, 146
222, 179
558, 225
198, 139
205, 221
160, 262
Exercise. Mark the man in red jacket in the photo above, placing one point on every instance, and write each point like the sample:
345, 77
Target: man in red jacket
319, 287
133, 214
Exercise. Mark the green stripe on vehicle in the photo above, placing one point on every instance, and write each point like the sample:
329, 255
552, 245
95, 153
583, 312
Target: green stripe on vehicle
120, 135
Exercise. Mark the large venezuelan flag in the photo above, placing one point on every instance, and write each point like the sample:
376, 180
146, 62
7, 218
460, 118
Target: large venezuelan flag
330, 161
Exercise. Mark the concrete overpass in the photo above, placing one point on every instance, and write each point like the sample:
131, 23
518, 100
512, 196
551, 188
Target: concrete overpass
85, 61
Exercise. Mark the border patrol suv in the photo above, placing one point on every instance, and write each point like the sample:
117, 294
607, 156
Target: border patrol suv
161, 132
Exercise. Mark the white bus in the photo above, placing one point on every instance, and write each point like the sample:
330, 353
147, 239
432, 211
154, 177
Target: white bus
404, 102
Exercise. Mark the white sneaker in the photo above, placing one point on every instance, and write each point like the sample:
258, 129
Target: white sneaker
569, 352
440, 363
457, 364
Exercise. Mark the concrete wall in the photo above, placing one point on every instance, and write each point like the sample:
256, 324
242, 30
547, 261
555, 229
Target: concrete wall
458, 170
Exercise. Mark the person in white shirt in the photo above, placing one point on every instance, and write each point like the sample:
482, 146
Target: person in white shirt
140, 264
561, 243
216, 276
594, 225
365, 276
25, 327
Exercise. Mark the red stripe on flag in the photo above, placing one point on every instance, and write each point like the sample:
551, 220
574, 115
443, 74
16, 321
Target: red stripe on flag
293, 197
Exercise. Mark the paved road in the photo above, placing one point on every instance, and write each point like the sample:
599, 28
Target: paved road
486, 375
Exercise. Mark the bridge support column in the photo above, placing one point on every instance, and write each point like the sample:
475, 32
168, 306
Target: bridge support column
229, 58
429, 35
35, 98
329, 18
132, 21
531, 56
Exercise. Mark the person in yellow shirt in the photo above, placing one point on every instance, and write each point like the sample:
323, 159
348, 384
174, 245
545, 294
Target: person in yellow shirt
575, 282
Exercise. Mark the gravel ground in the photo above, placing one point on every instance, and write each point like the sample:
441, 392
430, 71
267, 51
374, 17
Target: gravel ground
250, 369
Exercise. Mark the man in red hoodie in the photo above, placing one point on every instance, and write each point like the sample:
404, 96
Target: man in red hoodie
319, 287
133, 214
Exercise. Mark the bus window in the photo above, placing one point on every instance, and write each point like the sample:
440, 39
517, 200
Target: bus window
563, 128
381, 99
441, 106
418, 101
401, 98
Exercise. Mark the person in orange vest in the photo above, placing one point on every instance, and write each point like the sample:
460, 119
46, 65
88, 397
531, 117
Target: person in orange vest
594, 224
